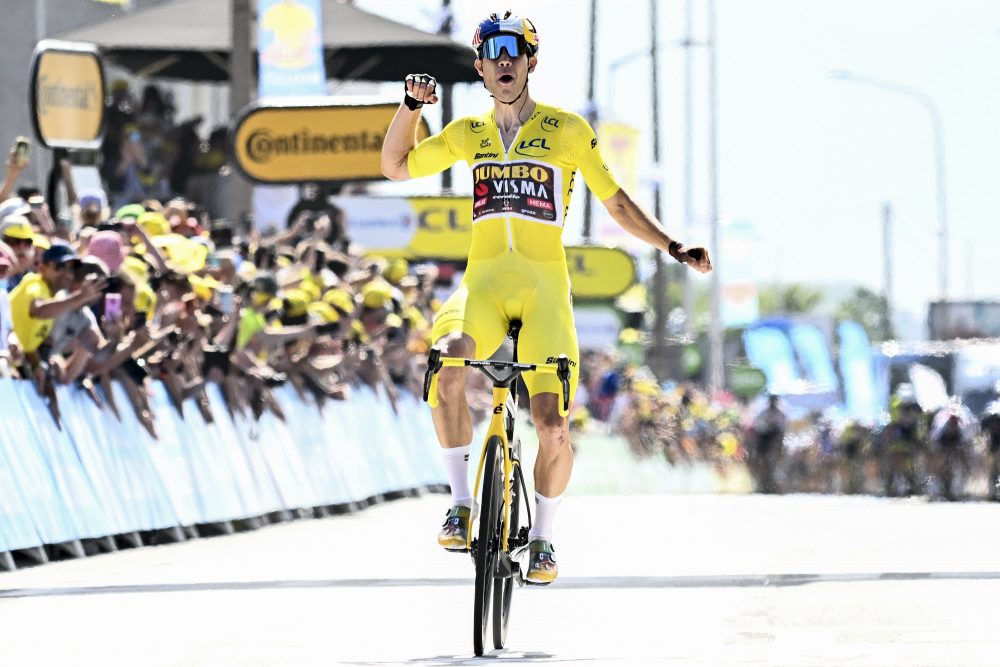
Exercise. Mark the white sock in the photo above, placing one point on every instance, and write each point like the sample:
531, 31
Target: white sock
545, 516
456, 465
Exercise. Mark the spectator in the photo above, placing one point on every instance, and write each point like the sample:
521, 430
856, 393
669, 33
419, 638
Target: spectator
8, 263
92, 208
16, 231
34, 305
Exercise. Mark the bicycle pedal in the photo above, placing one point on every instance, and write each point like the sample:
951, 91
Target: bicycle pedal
505, 567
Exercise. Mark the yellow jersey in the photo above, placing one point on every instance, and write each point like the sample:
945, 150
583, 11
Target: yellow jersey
521, 194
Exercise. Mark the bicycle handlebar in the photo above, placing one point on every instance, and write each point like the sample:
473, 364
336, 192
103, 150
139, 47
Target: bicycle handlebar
435, 362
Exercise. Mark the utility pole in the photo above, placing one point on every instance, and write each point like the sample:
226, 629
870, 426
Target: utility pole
887, 270
716, 363
240, 94
660, 274
688, 43
940, 177
447, 110
591, 114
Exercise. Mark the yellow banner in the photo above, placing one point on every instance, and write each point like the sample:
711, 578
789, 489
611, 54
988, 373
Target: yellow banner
596, 272
444, 227
67, 95
313, 142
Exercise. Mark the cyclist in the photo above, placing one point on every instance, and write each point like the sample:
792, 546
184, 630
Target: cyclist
524, 157
769, 427
904, 439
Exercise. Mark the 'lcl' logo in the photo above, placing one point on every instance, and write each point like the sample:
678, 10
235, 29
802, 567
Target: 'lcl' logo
532, 147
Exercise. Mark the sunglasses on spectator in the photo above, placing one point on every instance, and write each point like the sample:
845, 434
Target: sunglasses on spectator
12, 242
493, 47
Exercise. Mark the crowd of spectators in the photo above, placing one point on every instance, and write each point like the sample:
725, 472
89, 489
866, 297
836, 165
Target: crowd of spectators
152, 291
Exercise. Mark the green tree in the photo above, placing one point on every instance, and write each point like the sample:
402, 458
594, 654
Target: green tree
868, 309
789, 299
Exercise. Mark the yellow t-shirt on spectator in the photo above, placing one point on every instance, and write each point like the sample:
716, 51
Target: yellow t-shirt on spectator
30, 331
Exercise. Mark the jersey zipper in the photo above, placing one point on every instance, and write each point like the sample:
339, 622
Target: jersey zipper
510, 232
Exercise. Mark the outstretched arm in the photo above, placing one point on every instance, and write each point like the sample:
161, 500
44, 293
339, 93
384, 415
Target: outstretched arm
641, 225
401, 137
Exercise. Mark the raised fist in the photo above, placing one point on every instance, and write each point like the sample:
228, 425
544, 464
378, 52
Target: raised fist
421, 89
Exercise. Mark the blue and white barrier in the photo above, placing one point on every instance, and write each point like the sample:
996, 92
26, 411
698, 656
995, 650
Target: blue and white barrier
100, 475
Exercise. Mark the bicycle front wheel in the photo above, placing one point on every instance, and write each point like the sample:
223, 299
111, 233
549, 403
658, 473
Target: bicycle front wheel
503, 589
488, 546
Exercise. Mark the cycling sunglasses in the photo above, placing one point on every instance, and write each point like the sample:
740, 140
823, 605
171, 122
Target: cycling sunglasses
492, 47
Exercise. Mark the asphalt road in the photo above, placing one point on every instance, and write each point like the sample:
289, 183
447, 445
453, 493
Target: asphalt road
645, 579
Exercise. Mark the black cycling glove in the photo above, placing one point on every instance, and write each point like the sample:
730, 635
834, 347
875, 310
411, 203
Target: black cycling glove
411, 102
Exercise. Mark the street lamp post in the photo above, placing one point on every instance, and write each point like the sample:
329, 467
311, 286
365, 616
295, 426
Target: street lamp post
716, 347
938, 129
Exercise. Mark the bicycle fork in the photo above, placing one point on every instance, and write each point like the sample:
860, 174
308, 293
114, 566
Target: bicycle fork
496, 428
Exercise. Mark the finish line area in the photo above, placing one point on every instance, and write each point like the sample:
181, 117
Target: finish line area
700, 579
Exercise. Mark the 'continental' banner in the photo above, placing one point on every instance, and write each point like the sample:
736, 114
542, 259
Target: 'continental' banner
67, 94
313, 141
441, 228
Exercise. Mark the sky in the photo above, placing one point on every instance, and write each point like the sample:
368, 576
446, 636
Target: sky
806, 159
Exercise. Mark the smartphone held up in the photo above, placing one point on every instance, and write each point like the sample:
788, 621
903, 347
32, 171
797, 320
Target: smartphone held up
21, 148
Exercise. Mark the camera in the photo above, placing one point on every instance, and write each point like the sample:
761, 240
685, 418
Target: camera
114, 285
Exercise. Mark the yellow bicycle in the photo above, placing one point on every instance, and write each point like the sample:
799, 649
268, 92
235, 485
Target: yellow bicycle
502, 541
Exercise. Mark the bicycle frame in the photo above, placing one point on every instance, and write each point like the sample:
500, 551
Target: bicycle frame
501, 396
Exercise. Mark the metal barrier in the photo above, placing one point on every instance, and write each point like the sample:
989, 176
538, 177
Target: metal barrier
101, 483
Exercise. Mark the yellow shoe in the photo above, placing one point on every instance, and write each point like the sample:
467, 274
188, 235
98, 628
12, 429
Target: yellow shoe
542, 568
454, 535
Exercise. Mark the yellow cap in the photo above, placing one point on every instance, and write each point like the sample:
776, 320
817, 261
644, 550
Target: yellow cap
396, 270
295, 303
376, 294
153, 223
323, 312
42, 241
18, 227
311, 289
339, 298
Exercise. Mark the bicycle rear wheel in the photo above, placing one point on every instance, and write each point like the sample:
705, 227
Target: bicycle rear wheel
488, 546
503, 589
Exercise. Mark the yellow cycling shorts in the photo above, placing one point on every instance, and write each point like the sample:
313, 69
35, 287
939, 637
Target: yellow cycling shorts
495, 291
